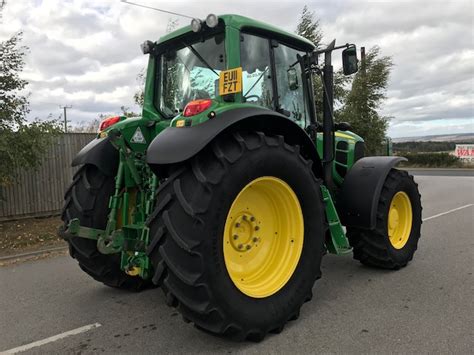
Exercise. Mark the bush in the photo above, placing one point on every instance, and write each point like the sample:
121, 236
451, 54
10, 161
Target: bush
432, 160
423, 147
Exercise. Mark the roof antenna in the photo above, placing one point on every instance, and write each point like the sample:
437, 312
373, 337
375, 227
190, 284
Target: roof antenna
156, 9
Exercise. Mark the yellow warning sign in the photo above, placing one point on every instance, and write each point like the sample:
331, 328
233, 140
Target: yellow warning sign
230, 81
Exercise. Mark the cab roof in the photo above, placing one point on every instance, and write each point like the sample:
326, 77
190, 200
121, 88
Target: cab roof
244, 23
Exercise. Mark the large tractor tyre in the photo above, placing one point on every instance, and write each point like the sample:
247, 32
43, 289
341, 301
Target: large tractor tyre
87, 198
238, 236
393, 242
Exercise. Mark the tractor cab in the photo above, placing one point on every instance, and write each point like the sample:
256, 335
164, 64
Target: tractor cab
238, 60
201, 71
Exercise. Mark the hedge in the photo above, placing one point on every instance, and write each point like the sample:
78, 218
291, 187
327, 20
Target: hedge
432, 160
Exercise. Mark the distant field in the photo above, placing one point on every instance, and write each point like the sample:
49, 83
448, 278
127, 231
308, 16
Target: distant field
457, 138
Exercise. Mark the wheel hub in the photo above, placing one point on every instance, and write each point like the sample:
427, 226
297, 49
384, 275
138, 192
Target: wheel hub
244, 233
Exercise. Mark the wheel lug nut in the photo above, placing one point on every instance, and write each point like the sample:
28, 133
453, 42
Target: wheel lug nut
237, 225
248, 247
244, 217
235, 237
257, 228
252, 219
255, 239
240, 246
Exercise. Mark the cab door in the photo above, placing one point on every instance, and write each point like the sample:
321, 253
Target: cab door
291, 98
257, 73
270, 77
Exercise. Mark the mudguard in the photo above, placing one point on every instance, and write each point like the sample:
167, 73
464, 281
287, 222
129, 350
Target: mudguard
175, 145
360, 192
101, 153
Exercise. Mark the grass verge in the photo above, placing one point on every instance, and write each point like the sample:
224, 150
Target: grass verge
27, 235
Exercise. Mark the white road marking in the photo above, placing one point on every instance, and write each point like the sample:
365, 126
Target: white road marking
450, 211
52, 339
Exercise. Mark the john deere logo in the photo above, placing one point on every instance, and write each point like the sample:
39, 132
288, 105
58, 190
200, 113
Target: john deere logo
138, 137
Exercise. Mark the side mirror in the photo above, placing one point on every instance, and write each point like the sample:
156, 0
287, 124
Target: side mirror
349, 60
292, 78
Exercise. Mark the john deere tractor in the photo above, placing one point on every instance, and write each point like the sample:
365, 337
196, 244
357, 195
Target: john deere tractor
230, 188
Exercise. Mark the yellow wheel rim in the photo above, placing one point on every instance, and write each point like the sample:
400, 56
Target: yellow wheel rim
400, 219
263, 237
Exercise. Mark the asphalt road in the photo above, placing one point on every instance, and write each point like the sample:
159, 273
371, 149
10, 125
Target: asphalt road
440, 172
426, 307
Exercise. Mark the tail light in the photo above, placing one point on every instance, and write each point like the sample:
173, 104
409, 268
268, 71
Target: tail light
196, 106
109, 121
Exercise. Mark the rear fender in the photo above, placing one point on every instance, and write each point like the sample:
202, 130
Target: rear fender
360, 192
176, 145
101, 153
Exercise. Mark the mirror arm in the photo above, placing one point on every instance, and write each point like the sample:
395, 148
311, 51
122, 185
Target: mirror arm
331, 47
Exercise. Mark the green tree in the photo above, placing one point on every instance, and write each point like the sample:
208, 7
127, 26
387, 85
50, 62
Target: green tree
89, 126
309, 28
366, 96
139, 96
359, 104
22, 143
127, 113
13, 106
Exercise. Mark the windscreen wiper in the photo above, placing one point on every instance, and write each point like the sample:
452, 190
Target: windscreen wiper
256, 82
196, 53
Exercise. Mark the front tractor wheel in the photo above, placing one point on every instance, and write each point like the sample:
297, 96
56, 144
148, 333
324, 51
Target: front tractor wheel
392, 244
238, 236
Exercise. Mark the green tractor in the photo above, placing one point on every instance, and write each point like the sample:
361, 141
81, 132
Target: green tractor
228, 191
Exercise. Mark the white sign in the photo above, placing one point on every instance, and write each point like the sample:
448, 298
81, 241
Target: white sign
138, 137
465, 152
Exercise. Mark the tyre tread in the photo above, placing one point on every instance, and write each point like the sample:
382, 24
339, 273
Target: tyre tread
182, 279
369, 245
80, 201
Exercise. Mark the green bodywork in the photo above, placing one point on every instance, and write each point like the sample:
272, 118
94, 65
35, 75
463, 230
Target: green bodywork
135, 184
132, 201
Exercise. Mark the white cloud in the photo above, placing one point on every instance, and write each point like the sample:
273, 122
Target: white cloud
86, 52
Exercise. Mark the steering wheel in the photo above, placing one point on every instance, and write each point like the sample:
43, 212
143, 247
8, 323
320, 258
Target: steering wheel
252, 96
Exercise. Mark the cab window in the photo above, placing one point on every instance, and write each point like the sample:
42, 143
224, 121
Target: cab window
189, 71
256, 70
291, 98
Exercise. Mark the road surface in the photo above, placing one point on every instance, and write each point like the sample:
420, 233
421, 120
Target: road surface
425, 307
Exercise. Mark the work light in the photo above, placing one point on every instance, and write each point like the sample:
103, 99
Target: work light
212, 20
196, 24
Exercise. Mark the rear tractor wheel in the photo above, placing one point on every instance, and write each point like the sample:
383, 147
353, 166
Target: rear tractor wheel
392, 244
238, 236
87, 199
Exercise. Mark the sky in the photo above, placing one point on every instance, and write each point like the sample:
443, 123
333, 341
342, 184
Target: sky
86, 53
